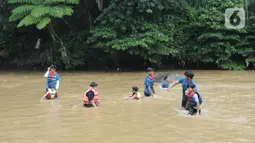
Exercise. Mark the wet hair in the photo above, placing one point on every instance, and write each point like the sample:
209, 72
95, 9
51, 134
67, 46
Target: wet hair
166, 77
135, 88
53, 67
189, 74
149, 69
191, 85
93, 84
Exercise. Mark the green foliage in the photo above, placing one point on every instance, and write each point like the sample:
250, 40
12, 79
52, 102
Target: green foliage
40, 12
207, 40
187, 32
137, 27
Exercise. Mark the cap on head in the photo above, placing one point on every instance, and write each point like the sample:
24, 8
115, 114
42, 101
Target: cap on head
150, 70
191, 85
166, 77
135, 88
93, 84
189, 74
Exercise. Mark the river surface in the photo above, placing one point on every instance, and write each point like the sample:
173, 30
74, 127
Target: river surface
228, 110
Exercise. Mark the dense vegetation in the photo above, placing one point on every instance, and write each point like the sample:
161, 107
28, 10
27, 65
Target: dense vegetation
105, 34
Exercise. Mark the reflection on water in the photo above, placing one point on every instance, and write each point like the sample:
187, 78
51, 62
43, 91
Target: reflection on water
227, 111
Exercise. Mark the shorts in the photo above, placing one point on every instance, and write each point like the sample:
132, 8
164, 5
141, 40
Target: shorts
88, 105
192, 110
146, 94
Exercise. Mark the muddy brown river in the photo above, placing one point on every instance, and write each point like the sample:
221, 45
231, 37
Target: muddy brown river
228, 110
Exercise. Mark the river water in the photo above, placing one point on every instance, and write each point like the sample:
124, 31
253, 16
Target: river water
228, 114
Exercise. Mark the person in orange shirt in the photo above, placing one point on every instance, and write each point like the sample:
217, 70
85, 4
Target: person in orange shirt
90, 97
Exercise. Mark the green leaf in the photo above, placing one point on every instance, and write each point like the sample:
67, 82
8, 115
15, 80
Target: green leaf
43, 23
40, 11
28, 20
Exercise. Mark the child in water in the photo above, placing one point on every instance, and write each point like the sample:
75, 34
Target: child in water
149, 83
90, 98
135, 94
50, 94
165, 84
194, 100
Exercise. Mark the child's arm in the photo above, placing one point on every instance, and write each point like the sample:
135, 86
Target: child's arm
134, 96
173, 84
186, 92
94, 104
198, 108
47, 72
150, 91
44, 95
198, 105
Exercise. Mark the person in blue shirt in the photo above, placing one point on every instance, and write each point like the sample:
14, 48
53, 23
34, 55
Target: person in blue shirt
165, 84
52, 78
185, 81
149, 82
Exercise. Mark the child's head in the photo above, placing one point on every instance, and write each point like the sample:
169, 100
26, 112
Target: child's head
53, 68
93, 85
190, 87
135, 89
189, 75
167, 78
150, 71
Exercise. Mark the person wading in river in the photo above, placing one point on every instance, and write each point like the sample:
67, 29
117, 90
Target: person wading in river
91, 96
52, 78
149, 82
185, 81
194, 100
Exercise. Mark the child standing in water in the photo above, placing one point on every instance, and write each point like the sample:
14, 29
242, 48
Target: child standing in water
50, 94
194, 100
149, 82
165, 84
135, 94
90, 98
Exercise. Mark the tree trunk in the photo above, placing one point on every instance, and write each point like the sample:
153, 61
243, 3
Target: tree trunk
56, 38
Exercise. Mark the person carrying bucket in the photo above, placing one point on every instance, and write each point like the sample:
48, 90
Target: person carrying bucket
91, 96
52, 78
185, 81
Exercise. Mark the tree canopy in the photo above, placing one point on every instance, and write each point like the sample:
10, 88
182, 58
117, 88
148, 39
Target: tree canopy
98, 34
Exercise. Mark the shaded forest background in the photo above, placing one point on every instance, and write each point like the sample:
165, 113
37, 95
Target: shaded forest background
124, 34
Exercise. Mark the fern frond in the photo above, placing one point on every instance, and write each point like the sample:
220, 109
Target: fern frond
28, 20
21, 11
61, 11
23, 8
43, 23
62, 1
35, 2
72, 1
40, 11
